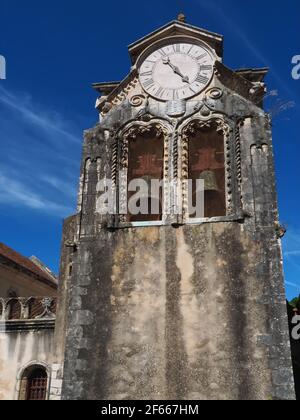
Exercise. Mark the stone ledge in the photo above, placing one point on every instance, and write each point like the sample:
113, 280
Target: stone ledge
25, 325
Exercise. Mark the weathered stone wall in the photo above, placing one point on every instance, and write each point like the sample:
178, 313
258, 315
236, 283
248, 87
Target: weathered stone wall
164, 313
68, 249
19, 350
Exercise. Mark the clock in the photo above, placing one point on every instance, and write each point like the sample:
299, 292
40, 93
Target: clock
177, 71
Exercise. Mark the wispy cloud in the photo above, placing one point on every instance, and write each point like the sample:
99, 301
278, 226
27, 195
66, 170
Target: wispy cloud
291, 253
66, 188
294, 285
46, 121
39, 156
16, 193
291, 244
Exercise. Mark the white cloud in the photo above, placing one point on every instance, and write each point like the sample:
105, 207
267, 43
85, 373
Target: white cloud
291, 253
291, 243
46, 120
15, 193
39, 156
66, 188
294, 285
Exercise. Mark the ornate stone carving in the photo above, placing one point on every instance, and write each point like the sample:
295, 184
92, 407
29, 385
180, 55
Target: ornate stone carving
137, 100
176, 108
160, 130
185, 172
217, 73
175, 154
46, 303
215, 93
190, 129
120, 96
207, 106
227, 131
44, 308
238, 154
197, 124
123, 94
114, 166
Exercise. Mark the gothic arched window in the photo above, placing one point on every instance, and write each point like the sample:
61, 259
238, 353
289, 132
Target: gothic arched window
14, 309
143, 161
34, 384
35, 308
37, 385
205, 161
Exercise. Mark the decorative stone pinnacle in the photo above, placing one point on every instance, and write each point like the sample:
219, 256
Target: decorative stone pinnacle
181, 17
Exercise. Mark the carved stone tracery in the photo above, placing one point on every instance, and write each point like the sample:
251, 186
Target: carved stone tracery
159, 130
190, 129
119, 96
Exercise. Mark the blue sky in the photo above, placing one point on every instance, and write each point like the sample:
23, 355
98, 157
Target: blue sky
56, 49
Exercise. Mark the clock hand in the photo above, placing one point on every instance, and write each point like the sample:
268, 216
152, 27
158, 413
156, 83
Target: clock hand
176, 70
184, 78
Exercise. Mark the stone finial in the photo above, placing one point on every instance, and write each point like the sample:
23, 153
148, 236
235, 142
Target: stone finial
181, 17
280, 230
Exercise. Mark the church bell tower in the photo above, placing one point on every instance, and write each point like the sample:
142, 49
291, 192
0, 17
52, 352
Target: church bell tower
172, 303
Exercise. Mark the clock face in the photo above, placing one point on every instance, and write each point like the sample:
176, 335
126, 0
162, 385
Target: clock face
177, 71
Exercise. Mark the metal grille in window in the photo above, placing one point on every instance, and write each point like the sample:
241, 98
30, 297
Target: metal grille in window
206, 162
37, 385
35, 308
15, 310
146, 157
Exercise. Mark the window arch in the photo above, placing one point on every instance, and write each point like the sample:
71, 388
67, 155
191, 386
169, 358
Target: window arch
144, 158
203, 158
34, 384
14, 309
34, 307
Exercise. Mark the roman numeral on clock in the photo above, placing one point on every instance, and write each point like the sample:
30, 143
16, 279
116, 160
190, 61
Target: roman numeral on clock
160, 92
149, 83
162, 52
177, 48
147, 73
202, 79
201, 56
206, 67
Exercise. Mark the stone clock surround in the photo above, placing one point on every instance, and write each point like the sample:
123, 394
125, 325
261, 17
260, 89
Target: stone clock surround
176, 68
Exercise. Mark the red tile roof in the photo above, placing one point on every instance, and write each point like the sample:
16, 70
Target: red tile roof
27, 264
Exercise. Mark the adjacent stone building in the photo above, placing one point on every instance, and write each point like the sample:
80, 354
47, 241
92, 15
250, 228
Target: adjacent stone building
21, 276
27, 326
169, 305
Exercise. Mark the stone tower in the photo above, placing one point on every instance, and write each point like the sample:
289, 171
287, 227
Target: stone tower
171, 305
